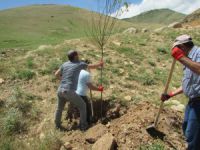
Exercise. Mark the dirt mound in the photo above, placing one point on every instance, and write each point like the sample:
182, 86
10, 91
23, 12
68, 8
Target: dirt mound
130, 132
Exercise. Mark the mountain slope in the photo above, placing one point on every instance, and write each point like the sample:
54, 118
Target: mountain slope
42, 24
193, 19
158, 16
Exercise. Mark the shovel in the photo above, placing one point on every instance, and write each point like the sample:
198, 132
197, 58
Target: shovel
152, 128
91, 101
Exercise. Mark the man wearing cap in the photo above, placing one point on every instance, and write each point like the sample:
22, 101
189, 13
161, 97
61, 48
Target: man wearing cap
189, 55
68, 73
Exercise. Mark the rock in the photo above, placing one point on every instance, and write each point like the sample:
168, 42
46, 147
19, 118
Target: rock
66, 146
144, 30
106, 142
131, 63
95, 132
42, 136
128, 98
159, 29
131, 30
108, 125
43, 47
175, 25
121, 71
1, 81
116, 43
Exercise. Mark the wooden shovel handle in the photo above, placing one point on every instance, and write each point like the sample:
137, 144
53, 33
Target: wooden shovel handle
165, 92
91, 101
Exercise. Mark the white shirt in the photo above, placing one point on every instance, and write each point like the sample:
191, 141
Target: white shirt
84, 78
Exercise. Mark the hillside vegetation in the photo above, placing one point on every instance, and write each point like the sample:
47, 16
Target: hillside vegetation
136, 68
158, 16
29, 27
192, 19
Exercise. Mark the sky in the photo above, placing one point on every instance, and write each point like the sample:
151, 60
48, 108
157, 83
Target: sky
135, 6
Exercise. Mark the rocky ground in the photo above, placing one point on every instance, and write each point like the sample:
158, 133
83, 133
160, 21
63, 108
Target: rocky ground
129, 130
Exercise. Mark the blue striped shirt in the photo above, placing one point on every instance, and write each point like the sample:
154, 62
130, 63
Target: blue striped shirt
191, 80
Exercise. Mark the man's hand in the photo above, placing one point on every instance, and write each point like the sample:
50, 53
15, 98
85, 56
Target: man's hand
165, 97
100, 88
101, 63
177, 53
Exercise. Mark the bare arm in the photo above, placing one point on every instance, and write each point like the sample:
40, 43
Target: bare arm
95, 66
92, 87
194, 66
58, 74
177, 91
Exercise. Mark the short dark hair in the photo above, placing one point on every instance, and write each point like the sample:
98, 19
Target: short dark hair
189, 44
71, 55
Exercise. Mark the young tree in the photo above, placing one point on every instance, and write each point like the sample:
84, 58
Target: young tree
102, 25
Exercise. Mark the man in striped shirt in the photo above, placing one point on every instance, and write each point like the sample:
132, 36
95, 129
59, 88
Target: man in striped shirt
188, 55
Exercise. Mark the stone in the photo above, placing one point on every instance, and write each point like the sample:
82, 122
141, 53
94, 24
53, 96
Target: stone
131, 30
116, 43
144, 30
106, 142
43, 47
66, 146
159, 29
175, 25
121, 71
128, 98
95, 132
42, 136
1, 81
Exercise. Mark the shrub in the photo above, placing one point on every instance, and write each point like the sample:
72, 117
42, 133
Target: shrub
30, 63
12, 123
154, 146
53, 65
162, 50
25, 74
49, 142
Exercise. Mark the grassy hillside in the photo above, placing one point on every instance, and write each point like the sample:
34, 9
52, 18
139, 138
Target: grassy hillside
159, 16
41, 24
193, 19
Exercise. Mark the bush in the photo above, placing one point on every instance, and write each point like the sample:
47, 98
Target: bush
162, 50
154, 146
52, 66
12, 123
49, 142
24, 74
30, 63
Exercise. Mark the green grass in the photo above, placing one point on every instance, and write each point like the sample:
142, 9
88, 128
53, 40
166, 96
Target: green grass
12, 122
154, 146
156, 16
31, 26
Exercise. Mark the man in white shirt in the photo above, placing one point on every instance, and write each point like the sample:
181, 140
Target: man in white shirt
84, 82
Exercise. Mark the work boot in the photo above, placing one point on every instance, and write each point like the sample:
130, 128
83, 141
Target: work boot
61, 128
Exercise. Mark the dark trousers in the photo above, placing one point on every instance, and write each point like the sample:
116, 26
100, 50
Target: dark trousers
88, 107
191, 125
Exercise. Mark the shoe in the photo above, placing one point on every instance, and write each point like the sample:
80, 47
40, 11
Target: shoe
61, 128
84, 128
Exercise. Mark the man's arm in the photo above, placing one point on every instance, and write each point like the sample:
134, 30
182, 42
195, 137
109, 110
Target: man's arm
166, 96
95, 66
177, 91
194, 66
94, 88
58, 74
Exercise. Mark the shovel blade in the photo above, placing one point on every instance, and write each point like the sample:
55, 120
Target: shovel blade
153, 132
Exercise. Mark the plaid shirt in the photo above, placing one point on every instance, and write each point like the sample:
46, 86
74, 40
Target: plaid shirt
191, 80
